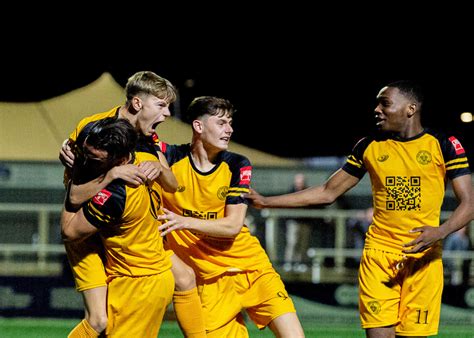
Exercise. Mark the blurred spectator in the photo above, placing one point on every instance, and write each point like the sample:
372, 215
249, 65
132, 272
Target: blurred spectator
456, 268
357, 227
298, 235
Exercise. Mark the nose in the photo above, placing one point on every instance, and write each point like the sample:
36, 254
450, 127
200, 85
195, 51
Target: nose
377, 110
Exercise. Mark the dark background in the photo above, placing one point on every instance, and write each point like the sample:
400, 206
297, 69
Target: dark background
298, 93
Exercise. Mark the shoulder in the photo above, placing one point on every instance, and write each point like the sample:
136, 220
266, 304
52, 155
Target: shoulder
234, 159
174, 152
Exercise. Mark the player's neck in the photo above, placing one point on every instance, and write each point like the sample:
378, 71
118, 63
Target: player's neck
201, 159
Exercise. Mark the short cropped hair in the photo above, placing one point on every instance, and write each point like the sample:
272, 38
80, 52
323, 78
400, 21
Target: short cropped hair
149, 83
209, 105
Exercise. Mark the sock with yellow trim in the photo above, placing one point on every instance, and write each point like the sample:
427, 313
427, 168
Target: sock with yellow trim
187, 307
83, 330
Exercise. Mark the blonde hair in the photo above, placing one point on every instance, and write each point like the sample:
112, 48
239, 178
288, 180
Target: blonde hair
149, 83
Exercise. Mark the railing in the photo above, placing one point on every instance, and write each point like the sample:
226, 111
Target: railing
43, 249
339, 251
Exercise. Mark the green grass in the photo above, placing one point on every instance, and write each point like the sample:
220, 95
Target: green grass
318, 320
59, 328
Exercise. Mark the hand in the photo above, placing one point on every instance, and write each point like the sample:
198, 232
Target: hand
172, 222
152, 169
257, 200
429, 236
130, 173
66, 156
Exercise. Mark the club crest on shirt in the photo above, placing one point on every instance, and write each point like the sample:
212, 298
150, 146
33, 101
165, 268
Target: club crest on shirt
423, 157
102, 197
181, 188
222, 193
382, 158
457, 145
245, 175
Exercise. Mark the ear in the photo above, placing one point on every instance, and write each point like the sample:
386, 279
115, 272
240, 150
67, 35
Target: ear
412, 108
136, 103
197, 126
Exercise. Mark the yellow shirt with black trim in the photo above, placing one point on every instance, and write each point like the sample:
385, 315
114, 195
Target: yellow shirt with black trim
126, 219
408, 179
205, 195
146, 144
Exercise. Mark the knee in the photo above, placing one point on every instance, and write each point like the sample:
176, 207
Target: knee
184, 278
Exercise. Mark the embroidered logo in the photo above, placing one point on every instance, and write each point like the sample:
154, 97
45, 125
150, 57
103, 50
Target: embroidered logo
423, 157
102, 197
222, 193
457, 145
245, 175
282, 295
382, 158
374, 306
181, 188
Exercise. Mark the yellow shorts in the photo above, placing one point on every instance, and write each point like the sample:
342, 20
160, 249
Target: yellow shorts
136, 305
400, 291
261, 293
86, 263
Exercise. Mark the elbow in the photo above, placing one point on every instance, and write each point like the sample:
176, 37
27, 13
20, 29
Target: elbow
234, 230
171, 189
68, 235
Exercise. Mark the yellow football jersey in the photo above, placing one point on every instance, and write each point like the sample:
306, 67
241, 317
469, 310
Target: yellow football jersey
408, 180
127, 221
204, 195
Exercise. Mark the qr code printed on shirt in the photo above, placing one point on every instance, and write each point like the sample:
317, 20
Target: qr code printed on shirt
403, 193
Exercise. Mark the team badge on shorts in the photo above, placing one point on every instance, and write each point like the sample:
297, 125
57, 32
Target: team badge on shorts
374, 306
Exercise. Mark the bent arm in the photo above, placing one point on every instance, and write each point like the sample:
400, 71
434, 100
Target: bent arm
228, 226
464, 213
166, 179
130, 173
75, 227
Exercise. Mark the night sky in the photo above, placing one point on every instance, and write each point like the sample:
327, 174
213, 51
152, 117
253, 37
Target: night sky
292, 100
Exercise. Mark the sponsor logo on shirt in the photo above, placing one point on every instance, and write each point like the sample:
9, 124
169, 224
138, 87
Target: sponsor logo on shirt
102, 197
245, 175
457, 145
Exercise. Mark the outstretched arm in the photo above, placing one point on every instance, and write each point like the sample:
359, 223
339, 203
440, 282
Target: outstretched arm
335, 186
464, 213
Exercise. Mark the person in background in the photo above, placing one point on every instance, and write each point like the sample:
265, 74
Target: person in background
298, 235
457, 269
204, 226
400, 273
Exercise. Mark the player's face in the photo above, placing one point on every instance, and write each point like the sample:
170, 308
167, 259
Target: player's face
217, 131
153, 111
391, 112
93, 161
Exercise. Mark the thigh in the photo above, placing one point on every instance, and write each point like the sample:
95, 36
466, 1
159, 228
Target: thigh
85, 259
266, 297
136, 305
421, 293
221, 302
379, 288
